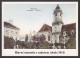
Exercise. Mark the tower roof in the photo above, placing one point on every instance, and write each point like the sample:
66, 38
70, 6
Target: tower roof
57, 9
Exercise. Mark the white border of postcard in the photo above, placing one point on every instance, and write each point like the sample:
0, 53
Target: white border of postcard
35, 52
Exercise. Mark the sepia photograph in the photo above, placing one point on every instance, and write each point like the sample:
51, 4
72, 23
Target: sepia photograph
45, 26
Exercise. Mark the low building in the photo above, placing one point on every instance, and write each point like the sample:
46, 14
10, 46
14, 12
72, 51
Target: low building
46, 31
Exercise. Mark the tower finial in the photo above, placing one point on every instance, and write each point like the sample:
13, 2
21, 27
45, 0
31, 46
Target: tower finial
57, 7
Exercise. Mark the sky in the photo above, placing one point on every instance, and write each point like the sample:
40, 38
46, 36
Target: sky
33, 20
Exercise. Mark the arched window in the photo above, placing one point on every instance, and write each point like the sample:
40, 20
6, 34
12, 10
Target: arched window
72, 32
48, 38
64, 33
55, 41
16, 32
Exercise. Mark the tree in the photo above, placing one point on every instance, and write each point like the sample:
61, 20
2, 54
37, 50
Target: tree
9, 43
26, 37
42, 38
39, 38
40, 44
71, 44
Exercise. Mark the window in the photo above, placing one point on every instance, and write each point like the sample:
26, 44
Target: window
16, 37
11, 31
55, 41
16, 32
49, 32
42, 34
7, 30
48, 38
55, 30
64, 33
72, 32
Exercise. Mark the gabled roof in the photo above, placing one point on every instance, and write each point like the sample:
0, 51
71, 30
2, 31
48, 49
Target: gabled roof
68, 28
45, 27
8, 25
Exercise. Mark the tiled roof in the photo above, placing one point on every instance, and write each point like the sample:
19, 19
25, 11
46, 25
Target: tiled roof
6, 24
45, 27
67, 28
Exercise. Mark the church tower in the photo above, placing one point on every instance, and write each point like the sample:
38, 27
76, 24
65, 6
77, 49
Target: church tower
56, 25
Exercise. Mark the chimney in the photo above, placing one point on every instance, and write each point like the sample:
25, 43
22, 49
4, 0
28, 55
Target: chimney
10, 21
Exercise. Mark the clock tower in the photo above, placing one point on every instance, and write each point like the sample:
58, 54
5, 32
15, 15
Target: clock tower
56, 25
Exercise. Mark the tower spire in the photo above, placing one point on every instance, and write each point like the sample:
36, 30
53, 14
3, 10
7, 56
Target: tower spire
57, 7
58, 14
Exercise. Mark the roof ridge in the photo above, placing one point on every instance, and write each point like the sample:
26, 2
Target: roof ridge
7, 24
69, 24
45, 27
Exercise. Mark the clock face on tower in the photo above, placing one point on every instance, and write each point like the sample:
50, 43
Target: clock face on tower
55, 28
58, 13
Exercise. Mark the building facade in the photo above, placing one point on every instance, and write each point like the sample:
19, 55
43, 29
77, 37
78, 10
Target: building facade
46, 31
11, 31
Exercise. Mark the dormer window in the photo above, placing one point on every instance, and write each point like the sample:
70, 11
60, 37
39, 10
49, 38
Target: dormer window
64, 33
72, 32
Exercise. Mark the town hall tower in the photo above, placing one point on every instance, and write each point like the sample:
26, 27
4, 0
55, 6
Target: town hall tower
56, 25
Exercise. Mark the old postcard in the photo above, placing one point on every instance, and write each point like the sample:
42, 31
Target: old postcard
39, 28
